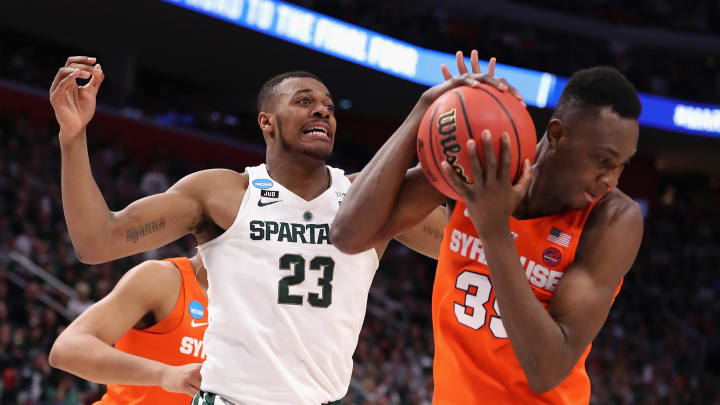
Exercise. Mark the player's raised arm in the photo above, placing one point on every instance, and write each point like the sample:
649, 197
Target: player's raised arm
386, 196
84, 348
97, 233
424, 238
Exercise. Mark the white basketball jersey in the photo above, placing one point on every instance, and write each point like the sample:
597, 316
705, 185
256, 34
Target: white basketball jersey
285, 306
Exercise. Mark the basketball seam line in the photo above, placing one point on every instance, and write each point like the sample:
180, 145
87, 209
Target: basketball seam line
512, 122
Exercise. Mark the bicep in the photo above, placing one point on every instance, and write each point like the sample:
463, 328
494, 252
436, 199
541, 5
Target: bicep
157, 220
584, 295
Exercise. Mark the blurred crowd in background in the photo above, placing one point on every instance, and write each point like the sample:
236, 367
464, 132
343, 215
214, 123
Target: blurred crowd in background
659, 345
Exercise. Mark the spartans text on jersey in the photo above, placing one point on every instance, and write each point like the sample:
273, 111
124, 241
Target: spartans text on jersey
314, 234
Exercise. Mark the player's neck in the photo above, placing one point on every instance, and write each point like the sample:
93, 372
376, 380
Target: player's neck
305, 177
539, 200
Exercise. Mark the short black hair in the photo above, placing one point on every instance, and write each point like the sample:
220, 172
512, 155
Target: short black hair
598, 87
268, 89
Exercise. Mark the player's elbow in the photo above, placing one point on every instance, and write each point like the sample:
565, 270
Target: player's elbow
343, 238
541, 383
58, 354
94, 250
89, 254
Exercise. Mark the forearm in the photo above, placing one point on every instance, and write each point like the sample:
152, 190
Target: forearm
536, 338
374, 192
90, 358
86, 213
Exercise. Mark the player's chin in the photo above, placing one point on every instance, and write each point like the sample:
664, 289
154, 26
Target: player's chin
319, 152
579, 203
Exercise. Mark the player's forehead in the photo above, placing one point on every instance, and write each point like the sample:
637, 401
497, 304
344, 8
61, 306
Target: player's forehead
607, 131
294, 86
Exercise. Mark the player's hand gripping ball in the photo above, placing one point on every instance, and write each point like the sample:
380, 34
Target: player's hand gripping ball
462, 114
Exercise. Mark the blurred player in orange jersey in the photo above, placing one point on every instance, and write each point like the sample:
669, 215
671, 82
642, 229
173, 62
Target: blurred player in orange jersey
526, 273
156, 317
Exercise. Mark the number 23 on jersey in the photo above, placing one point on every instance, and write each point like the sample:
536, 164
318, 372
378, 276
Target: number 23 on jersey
296, 263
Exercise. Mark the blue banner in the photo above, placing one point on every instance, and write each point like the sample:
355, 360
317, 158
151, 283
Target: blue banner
401, 59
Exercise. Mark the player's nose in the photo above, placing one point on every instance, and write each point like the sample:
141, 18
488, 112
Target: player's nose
610, 179
321, 111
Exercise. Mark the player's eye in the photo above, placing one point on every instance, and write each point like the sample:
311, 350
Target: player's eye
330, 107
304, 101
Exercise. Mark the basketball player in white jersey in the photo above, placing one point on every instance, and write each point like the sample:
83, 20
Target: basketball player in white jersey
286, 306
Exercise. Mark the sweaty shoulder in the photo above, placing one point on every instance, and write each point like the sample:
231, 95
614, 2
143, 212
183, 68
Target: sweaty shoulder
220, 193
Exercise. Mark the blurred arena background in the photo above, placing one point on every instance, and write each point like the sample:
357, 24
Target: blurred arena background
182, 76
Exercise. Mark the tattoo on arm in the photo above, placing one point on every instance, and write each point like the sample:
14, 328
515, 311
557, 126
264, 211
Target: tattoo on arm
134, 234
433, 232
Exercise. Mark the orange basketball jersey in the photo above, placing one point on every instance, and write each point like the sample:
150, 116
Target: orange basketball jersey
474, 361
175, 340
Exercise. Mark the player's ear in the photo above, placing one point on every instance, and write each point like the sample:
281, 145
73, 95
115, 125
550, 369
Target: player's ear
556, 132
266, 123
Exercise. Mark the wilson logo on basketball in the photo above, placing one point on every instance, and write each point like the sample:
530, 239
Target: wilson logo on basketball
450, 147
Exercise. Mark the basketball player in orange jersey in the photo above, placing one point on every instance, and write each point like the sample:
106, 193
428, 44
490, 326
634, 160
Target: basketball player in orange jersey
527, 273
156, 317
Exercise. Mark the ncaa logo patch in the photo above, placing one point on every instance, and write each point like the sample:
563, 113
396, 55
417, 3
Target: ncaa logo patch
262, 183
551, 257
196, 309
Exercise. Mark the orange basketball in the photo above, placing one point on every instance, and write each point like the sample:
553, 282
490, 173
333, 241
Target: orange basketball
462, 114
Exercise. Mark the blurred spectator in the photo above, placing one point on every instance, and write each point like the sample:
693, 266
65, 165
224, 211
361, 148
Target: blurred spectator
77, 306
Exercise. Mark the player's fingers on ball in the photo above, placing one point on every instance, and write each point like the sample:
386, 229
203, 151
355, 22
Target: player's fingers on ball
460, 60
523, 184
445, 72
490, 159
474, 158
512, 90
474, 64
503, 84
457, 184
87, 60
505, 158
491, 67
466, 79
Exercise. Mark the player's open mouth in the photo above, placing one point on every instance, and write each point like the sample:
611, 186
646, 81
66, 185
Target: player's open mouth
589, 196
317, 129
316, 132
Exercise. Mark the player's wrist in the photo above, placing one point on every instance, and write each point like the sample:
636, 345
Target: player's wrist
161, 375
70, 137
